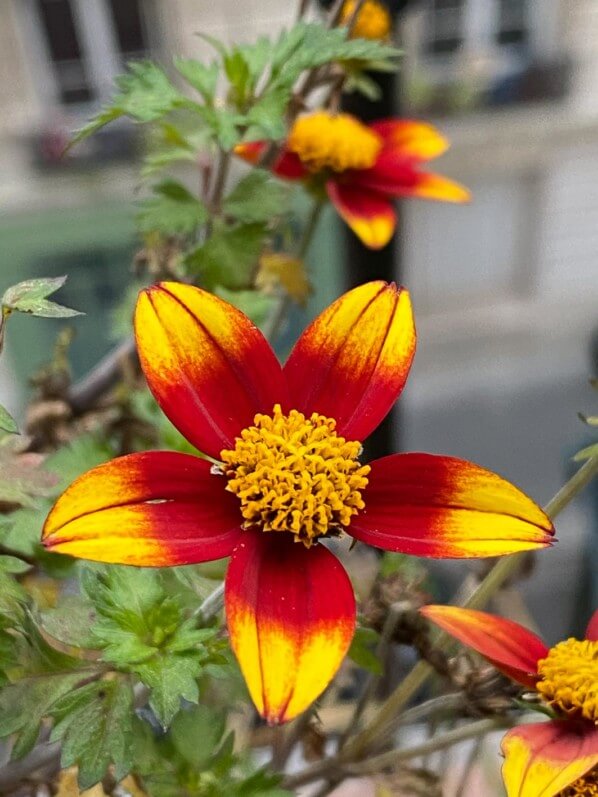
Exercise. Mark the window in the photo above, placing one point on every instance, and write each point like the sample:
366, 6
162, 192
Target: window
512, 22
446, 26
89, 42
65, 51
129, 28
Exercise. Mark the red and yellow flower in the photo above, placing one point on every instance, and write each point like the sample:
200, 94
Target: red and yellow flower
544, 759
284, 475
363, 168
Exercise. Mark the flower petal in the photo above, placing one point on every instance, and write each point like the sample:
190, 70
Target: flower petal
209, 367
396, 175
592, 629
352, 362
291, 616
435, 186
430, 505
418, 140
287, 165
370, 215
512, 649
545, 758
158, 508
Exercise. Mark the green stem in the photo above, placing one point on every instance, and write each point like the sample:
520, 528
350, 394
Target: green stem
274, 323
388, 715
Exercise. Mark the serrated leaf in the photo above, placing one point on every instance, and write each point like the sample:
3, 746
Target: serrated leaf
30, 297
202, 77
256, 198
7, 422
266, 117
70, 623
94, 724
229, 256
23, 706
171, 679
146, 94
173, 210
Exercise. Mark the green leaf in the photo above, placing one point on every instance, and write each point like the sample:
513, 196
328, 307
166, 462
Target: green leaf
197, 733
142, 629
23, 706
266, 117
229, 256
70, 622
7, 422
256, 198
362, 650
30, 297
203, 78
173, 210
146, 94
171, 679
586, 453
94, 723
12, 564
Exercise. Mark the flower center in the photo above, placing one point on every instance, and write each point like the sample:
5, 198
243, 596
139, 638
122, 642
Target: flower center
333, 141
584, 787
295, 474
569, 678
373, 20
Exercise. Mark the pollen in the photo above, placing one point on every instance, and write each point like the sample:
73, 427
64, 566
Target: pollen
569, 678
584, 787
295, 474
336, 142
373, 20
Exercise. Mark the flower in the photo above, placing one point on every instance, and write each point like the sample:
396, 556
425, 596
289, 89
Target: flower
373, 20
362, 168
284, 475
544, 759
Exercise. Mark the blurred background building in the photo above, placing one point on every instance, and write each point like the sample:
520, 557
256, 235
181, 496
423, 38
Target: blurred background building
505, 290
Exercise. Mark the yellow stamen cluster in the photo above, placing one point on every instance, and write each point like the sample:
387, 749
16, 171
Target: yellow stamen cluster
569, 678
295, 474
373, 20
333, 141
584, 787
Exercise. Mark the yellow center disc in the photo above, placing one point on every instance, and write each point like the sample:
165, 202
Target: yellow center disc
295, 474
333, 141
584, 787
569, 678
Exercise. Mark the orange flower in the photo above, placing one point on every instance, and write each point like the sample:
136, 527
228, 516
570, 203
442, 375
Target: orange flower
373, 20
284, 475
362, 168
544, 759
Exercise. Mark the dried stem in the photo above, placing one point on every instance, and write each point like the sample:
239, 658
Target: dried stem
340, 767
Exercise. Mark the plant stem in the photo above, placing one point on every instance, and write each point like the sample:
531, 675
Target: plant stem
211, 605
334, 766
502, 570
274, 323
